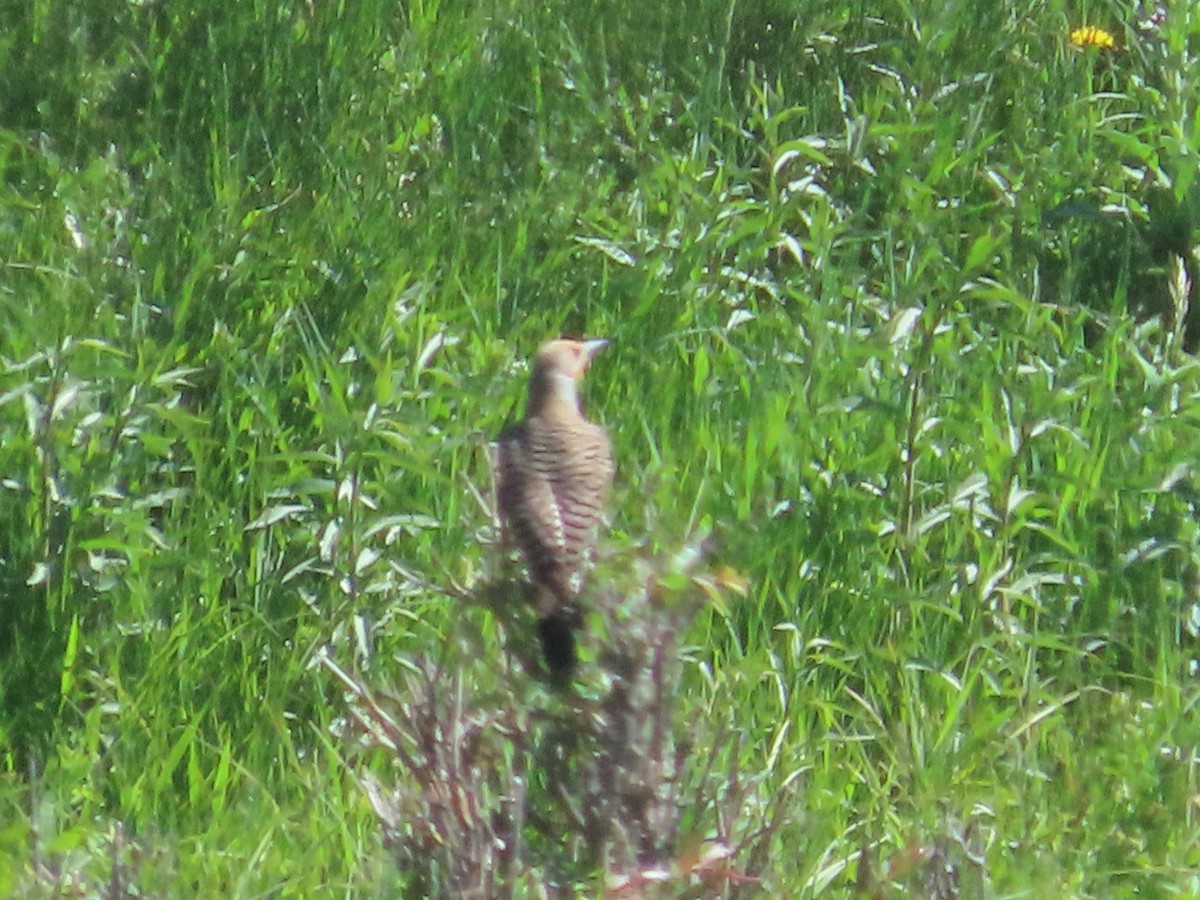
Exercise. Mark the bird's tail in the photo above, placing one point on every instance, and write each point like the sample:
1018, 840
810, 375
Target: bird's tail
557, 631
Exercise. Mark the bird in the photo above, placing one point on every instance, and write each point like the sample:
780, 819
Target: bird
553, 472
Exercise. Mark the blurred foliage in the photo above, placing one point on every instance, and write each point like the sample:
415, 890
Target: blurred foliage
902, 301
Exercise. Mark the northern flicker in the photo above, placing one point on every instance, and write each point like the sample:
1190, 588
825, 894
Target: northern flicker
553, 471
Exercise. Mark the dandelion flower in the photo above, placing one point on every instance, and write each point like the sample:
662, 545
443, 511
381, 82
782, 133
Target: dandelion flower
1091, 36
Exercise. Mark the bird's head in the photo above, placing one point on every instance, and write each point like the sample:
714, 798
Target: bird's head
559, 366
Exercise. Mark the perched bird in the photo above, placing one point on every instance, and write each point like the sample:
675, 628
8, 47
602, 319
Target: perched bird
553, 472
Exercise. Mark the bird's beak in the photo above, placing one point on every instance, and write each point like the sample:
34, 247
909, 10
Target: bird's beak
591, 348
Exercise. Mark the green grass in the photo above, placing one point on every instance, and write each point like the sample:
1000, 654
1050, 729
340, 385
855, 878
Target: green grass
890, 288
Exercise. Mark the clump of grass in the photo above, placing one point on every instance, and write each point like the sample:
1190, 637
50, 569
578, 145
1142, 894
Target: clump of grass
488, 793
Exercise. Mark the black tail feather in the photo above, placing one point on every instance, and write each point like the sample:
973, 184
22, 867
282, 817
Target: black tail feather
557, 632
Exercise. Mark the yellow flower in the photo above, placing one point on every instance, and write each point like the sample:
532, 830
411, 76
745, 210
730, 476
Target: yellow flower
1091, 36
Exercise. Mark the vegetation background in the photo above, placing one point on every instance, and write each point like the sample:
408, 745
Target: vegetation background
897, 295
